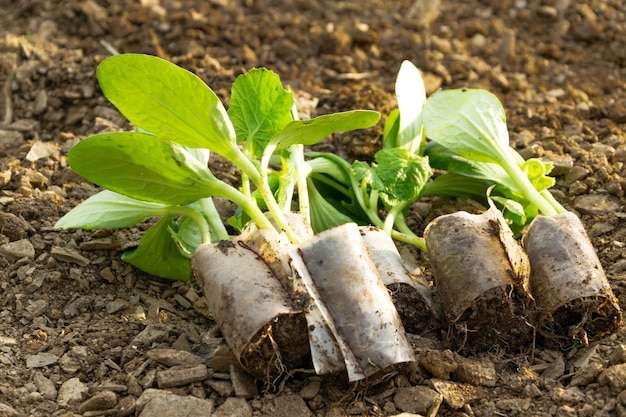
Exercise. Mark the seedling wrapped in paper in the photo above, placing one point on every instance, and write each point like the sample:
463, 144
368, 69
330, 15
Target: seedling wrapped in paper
275, 312
471, 142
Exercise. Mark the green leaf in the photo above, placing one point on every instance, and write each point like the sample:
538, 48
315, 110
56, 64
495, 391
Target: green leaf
166, 100
411, 95
141, 166
109, 210
158, 254
259, 108
403, 174
391, 129
537, 171
324, 215
310, 132
470, 122
512, 210
364, 172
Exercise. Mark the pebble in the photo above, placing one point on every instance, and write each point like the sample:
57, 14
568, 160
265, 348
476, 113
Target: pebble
103, 400
161, 403
418, 399
72, 390
456, 394
174, 357
310, 390
46, 388
615, 377
40, 360
233, 407
477, 372
153, 333
439, 363
288, 405
181, 375
223, 388
68, 255
596, 204
18, 250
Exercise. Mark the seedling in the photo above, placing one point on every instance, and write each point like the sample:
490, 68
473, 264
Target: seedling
160, 170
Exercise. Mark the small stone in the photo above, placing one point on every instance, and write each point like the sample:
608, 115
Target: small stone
288, 405
181, 375
71, 391
477, 373
243, 383
223, 358
174, 357
418, 399
233, 407
161, 403
310, 390
438, 363
596, 204
614, 377
40, 360
46, 388
18, 250
41, 150
126, 406
455, 394
570, 395
151, 334
586, 375
68, 255
102, 400
115, 306
223, 388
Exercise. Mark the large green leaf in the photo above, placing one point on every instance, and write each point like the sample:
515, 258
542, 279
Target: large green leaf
310, 132
158, 253
141, 166
109, 210
470, 122
259, 108
166, 100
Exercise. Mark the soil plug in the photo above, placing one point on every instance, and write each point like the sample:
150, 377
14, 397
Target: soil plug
340, 275
259, 319
411, 294
574, 298
481, 276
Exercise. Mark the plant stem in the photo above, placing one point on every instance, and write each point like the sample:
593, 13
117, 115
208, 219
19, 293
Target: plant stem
525, 186
412, 239
266, 192
214, 219
302, 171
196, 216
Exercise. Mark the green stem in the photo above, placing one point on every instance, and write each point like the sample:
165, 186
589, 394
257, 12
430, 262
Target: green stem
214, 219
271, 202
247, 205
555, 204
196, 216
418, 242
525, 186
392, 213
301, 173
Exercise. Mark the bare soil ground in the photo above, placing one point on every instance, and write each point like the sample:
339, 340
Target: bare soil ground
82, 333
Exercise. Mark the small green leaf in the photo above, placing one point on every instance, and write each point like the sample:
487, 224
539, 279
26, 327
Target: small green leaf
158, 254
141, 166
411, 95
511, 209
109, 210
537, 171
391, 129
364, 172
470, 122
403, 174
259, 108
324, 215
167, 101
310, 132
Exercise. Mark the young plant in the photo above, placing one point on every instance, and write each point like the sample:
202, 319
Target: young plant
161, 169
470, 139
